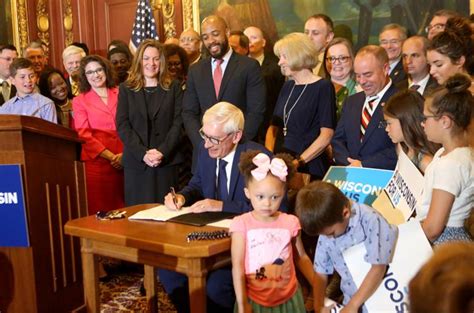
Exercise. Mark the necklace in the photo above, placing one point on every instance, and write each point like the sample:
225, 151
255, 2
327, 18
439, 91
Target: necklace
151, 89
286, 115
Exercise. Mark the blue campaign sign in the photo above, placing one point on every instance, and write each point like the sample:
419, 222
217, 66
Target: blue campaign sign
13, 221
358, 183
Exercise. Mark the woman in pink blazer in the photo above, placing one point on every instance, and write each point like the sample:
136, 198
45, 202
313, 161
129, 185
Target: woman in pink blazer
94, 112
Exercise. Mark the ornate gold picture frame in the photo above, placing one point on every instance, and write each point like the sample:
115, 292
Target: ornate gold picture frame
14, 22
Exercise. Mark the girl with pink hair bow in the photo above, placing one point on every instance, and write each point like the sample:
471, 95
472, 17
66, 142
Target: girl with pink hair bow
266, 243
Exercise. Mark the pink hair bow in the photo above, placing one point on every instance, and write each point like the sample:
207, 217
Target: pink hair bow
276, 166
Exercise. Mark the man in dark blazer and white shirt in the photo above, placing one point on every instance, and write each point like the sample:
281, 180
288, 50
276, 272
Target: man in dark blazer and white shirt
417, 67
242, 83
222, 133
8, 53
373, 148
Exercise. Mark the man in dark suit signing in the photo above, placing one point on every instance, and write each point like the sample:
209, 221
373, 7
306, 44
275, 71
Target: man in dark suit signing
417, 67
359, 141
8, 53
217, 185
225, 76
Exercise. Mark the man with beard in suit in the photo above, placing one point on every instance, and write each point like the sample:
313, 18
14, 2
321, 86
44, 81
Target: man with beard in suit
224, 76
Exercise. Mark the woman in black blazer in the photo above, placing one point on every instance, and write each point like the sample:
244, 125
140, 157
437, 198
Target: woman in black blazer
150, 126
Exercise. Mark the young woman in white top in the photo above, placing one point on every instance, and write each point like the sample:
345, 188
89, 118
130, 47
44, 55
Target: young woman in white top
448, 194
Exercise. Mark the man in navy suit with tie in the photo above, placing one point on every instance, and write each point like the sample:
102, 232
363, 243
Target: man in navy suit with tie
359, 141
217, 185
225, 76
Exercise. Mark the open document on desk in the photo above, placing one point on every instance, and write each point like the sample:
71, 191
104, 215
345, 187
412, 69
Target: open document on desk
185, 216
159, 213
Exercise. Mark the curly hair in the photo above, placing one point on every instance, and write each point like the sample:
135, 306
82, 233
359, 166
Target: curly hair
44, 82
246, 165
110, 80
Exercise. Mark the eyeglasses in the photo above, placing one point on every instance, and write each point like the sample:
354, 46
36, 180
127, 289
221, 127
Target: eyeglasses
100, 70
341, 58
425, 117
213, 140
390, 42
174, 64
188, 39
438, 26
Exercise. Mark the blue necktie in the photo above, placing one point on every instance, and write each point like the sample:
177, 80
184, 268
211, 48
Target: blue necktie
222, 192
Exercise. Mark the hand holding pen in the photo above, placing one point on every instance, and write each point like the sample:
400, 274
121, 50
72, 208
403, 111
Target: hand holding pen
173, 200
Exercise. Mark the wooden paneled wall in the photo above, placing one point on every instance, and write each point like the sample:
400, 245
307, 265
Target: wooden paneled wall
94, 22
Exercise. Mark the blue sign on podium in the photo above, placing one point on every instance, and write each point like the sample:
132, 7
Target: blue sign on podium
13, 220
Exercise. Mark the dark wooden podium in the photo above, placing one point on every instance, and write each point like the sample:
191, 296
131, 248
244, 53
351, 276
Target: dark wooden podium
47, 276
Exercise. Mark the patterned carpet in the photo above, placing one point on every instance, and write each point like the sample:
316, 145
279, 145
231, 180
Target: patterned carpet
122, 294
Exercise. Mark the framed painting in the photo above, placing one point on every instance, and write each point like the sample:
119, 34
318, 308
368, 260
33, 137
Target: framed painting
13, 23
360, 20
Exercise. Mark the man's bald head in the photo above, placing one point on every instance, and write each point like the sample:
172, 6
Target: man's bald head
214, 19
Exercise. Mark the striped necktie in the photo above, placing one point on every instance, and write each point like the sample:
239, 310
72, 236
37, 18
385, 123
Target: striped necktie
367, 113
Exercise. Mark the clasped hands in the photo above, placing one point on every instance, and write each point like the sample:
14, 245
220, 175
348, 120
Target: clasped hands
153, 158
205, 205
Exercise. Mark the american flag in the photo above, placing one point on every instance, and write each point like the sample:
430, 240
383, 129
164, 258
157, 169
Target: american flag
144, 26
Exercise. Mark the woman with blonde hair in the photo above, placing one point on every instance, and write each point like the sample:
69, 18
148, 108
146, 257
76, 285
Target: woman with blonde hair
304, 118
150, 126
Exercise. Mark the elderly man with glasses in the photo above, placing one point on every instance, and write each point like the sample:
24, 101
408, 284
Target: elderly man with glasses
217, 185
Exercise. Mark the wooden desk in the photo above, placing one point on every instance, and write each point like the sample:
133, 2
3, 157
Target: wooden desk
154, 244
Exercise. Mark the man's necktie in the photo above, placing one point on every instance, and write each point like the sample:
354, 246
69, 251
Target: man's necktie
415, 87
74, 88
222, 192
367, 112
5, 91
217, 77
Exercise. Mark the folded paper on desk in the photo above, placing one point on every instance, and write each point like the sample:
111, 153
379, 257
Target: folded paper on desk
158, 213
201, 219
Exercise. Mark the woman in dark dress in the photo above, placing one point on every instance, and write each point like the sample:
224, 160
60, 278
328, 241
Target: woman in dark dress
150, 126
305, 114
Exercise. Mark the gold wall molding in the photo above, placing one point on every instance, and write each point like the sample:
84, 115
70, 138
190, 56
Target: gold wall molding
168, 14
187, 14
20, 19
68, 23
42, 21
167, 10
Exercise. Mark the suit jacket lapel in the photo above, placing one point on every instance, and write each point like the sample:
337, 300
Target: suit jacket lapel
94, 100
206, 76
234, 174
161, 96
378, 115
229, 69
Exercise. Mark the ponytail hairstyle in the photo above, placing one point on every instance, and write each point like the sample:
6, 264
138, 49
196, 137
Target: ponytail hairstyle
407, 107
248, 160
454, 100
